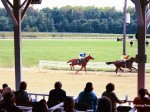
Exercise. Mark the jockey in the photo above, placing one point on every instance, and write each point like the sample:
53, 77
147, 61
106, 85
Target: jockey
81, 56
124, 58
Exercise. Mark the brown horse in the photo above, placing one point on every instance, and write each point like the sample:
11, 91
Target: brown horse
83, 64
120, 64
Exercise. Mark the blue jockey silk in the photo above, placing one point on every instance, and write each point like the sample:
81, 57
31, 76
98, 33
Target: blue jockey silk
82, 54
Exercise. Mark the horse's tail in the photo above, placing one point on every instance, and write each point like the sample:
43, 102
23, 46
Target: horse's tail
108, 63
69, 62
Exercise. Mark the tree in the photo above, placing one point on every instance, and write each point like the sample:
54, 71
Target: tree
26, 28
4, 24
65, 26
72, 19
96, 25
41, 23
87, 27
75, 26
50, 25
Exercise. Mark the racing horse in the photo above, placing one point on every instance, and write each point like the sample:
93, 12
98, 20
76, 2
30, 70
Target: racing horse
120, 64
83, 63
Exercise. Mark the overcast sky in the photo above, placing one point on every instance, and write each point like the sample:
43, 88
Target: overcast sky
118, 4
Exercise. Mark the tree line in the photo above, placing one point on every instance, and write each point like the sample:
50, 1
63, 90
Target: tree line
88, 19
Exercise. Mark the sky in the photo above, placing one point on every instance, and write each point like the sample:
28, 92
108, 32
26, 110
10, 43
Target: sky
118, 4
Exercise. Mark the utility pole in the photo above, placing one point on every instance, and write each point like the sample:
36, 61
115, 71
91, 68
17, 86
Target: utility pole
124, 28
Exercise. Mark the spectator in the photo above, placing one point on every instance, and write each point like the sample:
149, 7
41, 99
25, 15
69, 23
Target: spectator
110, 87
22, 97
57, 94
3, 110
43, 100
104, 104
9, 103
5, 91
3, 86
142, 100
88, 97
40, 107
1, 98
69, 104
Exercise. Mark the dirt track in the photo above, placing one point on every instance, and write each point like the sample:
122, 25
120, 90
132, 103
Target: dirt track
41, 81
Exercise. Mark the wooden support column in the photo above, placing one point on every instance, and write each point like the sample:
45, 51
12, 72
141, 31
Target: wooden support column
124, 28
140, 6
17, 43
16, 15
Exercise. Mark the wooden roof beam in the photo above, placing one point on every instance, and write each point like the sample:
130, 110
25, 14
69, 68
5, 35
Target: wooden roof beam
25, 9
139, 12
9, 11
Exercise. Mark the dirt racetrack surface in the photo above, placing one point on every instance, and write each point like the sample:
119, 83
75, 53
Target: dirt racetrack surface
42, 81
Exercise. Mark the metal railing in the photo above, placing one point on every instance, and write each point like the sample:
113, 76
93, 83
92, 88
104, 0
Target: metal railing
38, 97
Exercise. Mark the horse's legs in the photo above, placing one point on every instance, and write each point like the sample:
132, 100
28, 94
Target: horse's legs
73, 67
116, 70
121, 69
135, 68
130, 70
79, 70
70, 67
85, 70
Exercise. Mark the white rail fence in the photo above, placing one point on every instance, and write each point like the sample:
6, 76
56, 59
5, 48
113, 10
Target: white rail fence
90, 65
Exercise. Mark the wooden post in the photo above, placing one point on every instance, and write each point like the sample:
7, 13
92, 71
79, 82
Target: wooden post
17, 43
16, 15
140, 6
124, 28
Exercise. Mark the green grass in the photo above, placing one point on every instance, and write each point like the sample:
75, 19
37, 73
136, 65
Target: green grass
63, 50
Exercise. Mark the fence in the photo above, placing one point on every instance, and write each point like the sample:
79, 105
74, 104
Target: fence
59, 37
59, 65
90, 65
58, 106
38, 97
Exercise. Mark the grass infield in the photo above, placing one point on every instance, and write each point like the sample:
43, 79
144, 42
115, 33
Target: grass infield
63, 50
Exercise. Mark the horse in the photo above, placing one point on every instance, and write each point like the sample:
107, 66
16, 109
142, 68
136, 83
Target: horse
120, 64
83, 63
